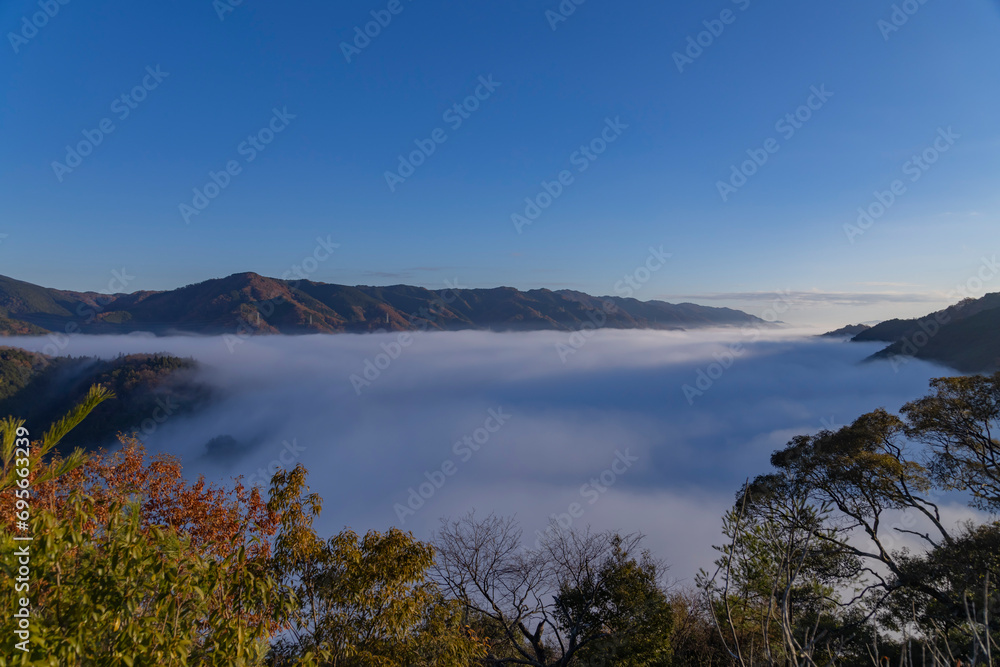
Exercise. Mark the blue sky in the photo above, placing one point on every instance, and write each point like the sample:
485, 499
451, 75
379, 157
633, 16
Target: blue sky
656, 184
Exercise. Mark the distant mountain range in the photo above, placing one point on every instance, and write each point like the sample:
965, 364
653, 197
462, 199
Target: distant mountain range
963, 336
247, 303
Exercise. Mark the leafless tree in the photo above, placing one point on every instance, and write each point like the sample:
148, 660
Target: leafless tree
547, 603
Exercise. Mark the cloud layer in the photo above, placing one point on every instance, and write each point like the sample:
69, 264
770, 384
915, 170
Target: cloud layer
600, 430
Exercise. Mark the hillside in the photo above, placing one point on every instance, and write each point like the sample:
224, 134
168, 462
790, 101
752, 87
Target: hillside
248, 303
962, 336
9, 327
149, 389
846, 332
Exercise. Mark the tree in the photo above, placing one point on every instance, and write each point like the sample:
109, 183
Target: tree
695, 640
124, 595
619, 595
577, 599
217, 520
772, 595
919, 577
865, 472
363, 600
107, 582
959, 423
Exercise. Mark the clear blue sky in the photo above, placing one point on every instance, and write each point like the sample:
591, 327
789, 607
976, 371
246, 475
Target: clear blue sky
656, 184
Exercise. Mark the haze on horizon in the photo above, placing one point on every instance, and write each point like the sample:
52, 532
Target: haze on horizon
613, 122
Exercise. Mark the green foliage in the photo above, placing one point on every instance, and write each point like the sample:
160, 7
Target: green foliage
856, 510
363, 600
623, 600
58, 430
120, 593
124, 596
959, 422
773, 592
9, 428
17, 367
577, 598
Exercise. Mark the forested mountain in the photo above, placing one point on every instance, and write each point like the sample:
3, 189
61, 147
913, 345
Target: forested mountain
846, 332
149, 390
962, 336
250, 303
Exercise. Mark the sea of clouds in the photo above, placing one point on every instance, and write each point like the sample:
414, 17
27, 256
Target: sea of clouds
645, 431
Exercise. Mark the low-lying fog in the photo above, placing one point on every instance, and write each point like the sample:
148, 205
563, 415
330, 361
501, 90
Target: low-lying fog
536, 424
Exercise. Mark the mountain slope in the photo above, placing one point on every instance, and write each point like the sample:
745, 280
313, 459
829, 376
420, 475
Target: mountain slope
149, 389
846, 331
247, 303
962, 336
9, 327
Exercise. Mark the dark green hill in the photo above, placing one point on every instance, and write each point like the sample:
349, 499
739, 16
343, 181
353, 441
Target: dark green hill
970, 345
149, 390
962, 336
250, 303
893, 330
18, 297
847, 331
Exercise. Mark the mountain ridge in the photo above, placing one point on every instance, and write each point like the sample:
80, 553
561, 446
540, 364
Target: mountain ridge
962, 336
249, 303
848, 331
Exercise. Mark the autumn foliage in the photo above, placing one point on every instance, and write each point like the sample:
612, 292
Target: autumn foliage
217, 520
